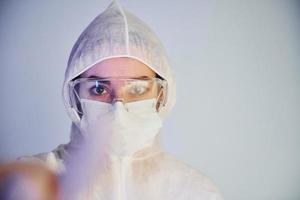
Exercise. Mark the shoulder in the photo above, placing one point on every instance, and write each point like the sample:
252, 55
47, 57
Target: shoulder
195, 183
52, 160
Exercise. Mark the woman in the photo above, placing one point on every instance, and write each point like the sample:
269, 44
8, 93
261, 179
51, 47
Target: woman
118, 88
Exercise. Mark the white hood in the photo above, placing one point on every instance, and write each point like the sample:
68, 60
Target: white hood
117, 33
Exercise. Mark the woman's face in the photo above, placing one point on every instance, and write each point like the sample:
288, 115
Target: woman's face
116, 67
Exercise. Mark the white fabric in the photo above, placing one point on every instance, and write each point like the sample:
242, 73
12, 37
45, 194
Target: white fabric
118, 33
148, 174
125, 131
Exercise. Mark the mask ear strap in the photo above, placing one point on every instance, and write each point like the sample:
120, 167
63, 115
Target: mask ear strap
166, 93
75, 100
75, 115
164, 89
161, 99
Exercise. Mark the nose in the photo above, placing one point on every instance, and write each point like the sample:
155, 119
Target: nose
117, 95
118, 104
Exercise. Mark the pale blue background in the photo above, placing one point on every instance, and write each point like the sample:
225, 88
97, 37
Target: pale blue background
237, 117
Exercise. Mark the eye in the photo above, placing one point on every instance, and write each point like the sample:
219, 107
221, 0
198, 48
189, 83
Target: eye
138, 88
98, 89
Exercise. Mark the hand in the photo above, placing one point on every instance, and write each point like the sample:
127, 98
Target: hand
27, 181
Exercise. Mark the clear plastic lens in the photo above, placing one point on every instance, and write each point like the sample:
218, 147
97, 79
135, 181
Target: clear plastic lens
109, 90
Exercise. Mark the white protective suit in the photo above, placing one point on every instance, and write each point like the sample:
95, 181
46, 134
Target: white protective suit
149, 174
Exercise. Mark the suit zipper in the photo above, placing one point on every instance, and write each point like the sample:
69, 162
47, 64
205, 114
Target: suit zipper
122, 169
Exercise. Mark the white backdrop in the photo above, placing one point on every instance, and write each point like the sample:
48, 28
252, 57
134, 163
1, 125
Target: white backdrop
237, 117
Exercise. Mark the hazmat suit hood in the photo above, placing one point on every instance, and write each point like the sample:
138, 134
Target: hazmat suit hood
117, 33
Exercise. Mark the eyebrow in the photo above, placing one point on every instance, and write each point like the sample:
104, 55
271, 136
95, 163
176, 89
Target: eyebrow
94, 76
100, 77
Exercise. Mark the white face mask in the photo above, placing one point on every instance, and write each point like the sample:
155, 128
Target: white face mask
121, 132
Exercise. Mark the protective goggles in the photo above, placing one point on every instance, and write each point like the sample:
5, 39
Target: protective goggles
110, 90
